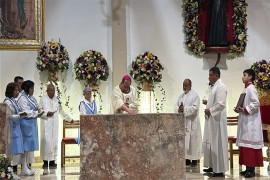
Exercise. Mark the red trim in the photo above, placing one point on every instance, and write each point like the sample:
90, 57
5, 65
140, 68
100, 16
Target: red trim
250, 157
247, 84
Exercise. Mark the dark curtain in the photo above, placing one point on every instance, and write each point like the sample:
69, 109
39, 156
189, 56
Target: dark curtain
218, 23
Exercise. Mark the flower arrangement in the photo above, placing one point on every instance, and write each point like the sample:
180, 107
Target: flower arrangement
52, 56
91, 66
6, 171
262, 70
146, 67
191, 10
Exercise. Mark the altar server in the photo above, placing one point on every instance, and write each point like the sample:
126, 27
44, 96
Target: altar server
249, 132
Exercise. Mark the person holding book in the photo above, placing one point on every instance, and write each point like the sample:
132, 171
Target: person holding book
249, 131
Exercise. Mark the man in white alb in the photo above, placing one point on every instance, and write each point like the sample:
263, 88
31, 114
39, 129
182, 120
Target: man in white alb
49, 126
215, 139
124, 98
189, 103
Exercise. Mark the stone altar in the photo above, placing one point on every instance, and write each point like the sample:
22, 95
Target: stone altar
141, 146
4, 126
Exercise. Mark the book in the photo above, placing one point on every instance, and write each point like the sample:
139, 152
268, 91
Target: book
241, 100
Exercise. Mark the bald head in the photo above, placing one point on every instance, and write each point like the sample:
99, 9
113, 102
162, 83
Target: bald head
50, 90
187, 85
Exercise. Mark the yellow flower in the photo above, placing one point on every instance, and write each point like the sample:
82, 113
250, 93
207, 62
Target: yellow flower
53, 46
189, 24
92, 64
261, 75
265, 78
264, 66
56, 59
87, 68
239, 49
89, 76
241, 37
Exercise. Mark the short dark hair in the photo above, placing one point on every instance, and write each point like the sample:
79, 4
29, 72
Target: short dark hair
215, 70
189, 81
10, 89
26, 85
251, 73
17, 78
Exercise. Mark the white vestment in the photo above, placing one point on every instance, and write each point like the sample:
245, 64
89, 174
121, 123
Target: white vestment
249, 132
215, 139
193, 137
49, 127
119, 98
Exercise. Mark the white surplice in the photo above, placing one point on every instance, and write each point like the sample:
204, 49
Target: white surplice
193, 137
215, 139
49, 127
249, 132
119, 98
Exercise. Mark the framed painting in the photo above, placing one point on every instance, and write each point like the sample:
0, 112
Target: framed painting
22, 24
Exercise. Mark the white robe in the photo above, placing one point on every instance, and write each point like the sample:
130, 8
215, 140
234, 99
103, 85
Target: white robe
215, 139
249, 131
119, 98
49, 127
193, 137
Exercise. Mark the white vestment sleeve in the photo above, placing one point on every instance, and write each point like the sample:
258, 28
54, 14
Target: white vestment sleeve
25, 108
65, 115
220, 100
193, 109
82, 109
117, 101
42, 106
254, 105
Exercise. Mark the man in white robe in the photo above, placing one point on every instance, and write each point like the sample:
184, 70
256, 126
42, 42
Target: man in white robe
124, 98
215, 139
49, 127
189, 103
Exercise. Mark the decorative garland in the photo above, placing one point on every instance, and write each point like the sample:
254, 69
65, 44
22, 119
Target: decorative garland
262, 70
191, 10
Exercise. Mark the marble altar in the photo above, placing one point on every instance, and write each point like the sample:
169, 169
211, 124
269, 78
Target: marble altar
4, 126
142, 146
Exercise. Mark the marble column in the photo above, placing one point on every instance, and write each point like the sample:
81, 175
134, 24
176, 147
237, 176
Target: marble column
142, 146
